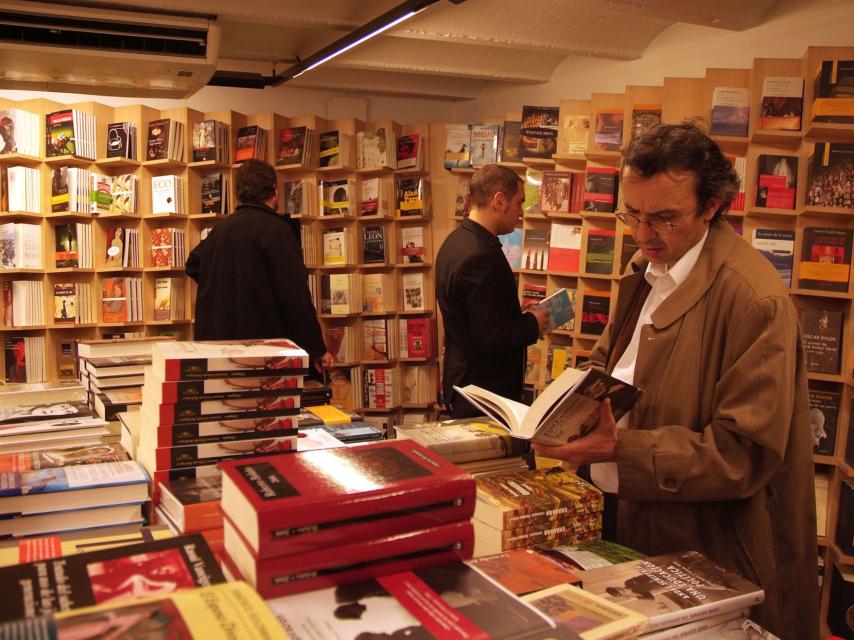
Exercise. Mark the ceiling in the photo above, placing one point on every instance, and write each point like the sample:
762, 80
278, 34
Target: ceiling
448, 51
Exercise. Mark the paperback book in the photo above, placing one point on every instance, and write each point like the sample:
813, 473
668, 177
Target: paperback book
566, 409
108, 575
674, 588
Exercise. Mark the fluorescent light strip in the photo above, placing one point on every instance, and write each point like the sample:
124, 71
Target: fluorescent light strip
358, 42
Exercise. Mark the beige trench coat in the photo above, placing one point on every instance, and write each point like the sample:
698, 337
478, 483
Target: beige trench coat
718, 454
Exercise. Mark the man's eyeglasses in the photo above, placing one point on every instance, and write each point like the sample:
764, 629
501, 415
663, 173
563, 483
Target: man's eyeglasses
659, 224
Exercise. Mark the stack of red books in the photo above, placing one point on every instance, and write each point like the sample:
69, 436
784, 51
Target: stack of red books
320, 518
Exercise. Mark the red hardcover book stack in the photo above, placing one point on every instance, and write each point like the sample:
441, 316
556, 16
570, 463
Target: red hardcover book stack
205, 402
327, 517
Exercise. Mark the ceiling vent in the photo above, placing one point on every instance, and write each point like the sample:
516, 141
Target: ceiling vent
53, 47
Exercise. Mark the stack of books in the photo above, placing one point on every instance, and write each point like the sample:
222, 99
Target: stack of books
339, 422
546, 507
479, 445
112, 373
63, 498
48, 415
685, 593
333, 516
204, 402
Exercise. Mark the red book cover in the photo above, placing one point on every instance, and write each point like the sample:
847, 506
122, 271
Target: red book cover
227, 359
348, 562
419, 337
161, 247
226, 430
316, 499
284, 403
107, 575
114, 300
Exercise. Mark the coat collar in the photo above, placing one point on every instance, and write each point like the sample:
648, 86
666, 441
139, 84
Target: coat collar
257, 205
718, 247
480, 231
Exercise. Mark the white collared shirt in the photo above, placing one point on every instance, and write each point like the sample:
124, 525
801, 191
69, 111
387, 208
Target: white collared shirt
664, 281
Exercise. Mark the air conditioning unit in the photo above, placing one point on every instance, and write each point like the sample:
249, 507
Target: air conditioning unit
59, 47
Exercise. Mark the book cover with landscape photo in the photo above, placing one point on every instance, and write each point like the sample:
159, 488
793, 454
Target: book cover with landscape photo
674, 588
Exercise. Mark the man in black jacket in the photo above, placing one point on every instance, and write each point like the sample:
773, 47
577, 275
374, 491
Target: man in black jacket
252, 282
486, 332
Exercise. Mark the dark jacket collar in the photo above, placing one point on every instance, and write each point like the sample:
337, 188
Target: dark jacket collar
257, 205
481, 231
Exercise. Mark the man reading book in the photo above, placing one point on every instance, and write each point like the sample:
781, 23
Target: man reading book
716, 456
252, 282
486, 332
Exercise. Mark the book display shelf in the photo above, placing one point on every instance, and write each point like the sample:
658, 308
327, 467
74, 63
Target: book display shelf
414, 374
780, 212
370, 263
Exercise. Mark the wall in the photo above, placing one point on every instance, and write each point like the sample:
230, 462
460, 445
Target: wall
681, 51
283, 100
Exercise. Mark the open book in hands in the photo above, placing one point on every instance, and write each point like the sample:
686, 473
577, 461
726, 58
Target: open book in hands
566, 409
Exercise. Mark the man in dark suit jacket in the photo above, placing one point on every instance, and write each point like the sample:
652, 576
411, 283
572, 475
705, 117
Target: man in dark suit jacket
486, 332
252, 281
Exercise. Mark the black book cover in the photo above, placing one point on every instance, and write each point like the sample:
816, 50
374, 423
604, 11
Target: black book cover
118, 140
212, 200
824, 416
845, 519
373, 245
822, 334
81, 580
595, 310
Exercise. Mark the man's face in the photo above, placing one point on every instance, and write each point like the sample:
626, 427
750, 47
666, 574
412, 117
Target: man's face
510, 210
668, 196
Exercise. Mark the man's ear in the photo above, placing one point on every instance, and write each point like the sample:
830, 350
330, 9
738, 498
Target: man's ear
499, 200
712, 209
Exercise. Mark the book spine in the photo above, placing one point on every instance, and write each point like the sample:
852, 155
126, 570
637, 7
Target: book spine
198, 390
175, 370
357, 562
191, 413
208, 432
683, 616
212, 453
448, 500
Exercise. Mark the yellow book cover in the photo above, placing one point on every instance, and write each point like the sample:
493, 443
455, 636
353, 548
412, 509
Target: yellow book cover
591, 616
232, 611
329, 414
66, 544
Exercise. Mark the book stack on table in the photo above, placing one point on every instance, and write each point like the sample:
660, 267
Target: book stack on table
332, 516
478, 445
205, 402
542, 507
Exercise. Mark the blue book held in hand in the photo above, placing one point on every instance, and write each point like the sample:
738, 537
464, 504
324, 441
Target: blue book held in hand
559, 306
